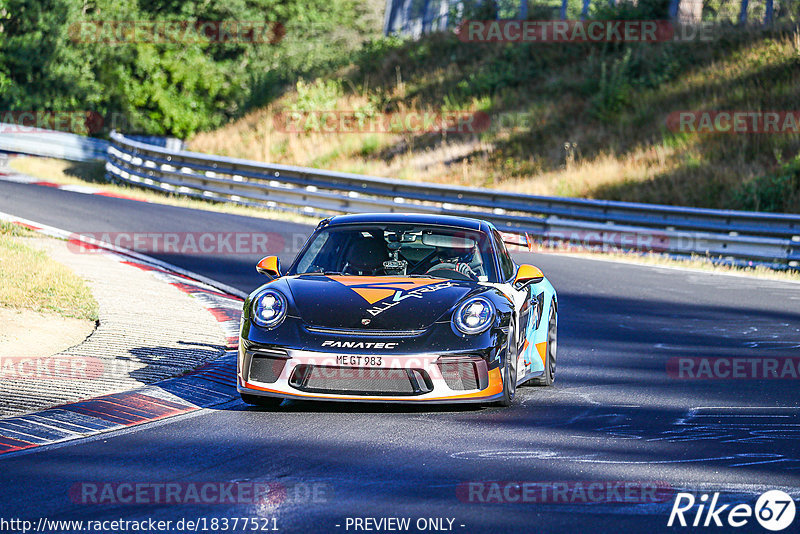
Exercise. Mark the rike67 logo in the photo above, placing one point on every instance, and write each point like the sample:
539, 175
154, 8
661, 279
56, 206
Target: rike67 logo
774, 510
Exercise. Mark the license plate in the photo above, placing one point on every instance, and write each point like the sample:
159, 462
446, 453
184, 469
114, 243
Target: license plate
356, 360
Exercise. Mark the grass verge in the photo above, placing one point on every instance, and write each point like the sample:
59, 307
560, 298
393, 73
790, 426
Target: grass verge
29, 279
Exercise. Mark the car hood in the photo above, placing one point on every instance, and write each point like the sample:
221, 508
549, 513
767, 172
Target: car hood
375, 303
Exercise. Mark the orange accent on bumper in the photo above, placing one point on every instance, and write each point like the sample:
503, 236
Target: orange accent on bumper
495, 387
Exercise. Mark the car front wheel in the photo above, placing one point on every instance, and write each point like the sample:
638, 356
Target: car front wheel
510, 378
550, 359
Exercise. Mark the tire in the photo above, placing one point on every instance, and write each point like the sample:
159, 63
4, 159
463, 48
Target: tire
262, 402
550, 358
510, 378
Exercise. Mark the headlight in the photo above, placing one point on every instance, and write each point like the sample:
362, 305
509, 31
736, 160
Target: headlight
474, 316
269, 308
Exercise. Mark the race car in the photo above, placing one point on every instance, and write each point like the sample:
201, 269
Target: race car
398, 308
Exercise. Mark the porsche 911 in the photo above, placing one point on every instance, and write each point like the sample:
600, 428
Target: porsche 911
398, 308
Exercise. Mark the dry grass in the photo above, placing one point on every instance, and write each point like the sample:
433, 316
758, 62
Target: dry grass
261, 136
29, 279
583, 177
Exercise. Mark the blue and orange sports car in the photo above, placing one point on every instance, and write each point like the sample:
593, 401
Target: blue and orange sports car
398, 308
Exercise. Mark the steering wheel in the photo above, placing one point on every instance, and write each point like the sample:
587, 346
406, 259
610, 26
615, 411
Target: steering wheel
352, 269
449, 270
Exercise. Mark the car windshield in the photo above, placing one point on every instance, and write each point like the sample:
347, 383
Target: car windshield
399, 250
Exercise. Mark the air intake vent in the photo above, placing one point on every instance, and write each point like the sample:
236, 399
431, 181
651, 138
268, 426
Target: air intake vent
364, 332
266, 367
360, 380
462, 374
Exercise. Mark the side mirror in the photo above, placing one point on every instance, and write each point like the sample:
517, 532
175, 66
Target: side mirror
270, 266
528, 274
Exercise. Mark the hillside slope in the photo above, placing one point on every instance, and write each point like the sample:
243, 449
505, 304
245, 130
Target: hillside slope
588, 120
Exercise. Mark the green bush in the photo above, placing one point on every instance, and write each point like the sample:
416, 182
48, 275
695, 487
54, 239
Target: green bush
775, 192
167, 88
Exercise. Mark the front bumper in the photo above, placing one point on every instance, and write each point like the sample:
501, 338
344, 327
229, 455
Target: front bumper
374, 377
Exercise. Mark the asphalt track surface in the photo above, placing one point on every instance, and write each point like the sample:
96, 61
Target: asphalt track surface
615, 413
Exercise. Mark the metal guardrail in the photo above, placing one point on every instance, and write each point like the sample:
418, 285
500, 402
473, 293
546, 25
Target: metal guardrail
51, 143
64, 145
730, 235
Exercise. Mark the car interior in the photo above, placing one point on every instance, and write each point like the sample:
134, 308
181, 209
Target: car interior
399, 251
